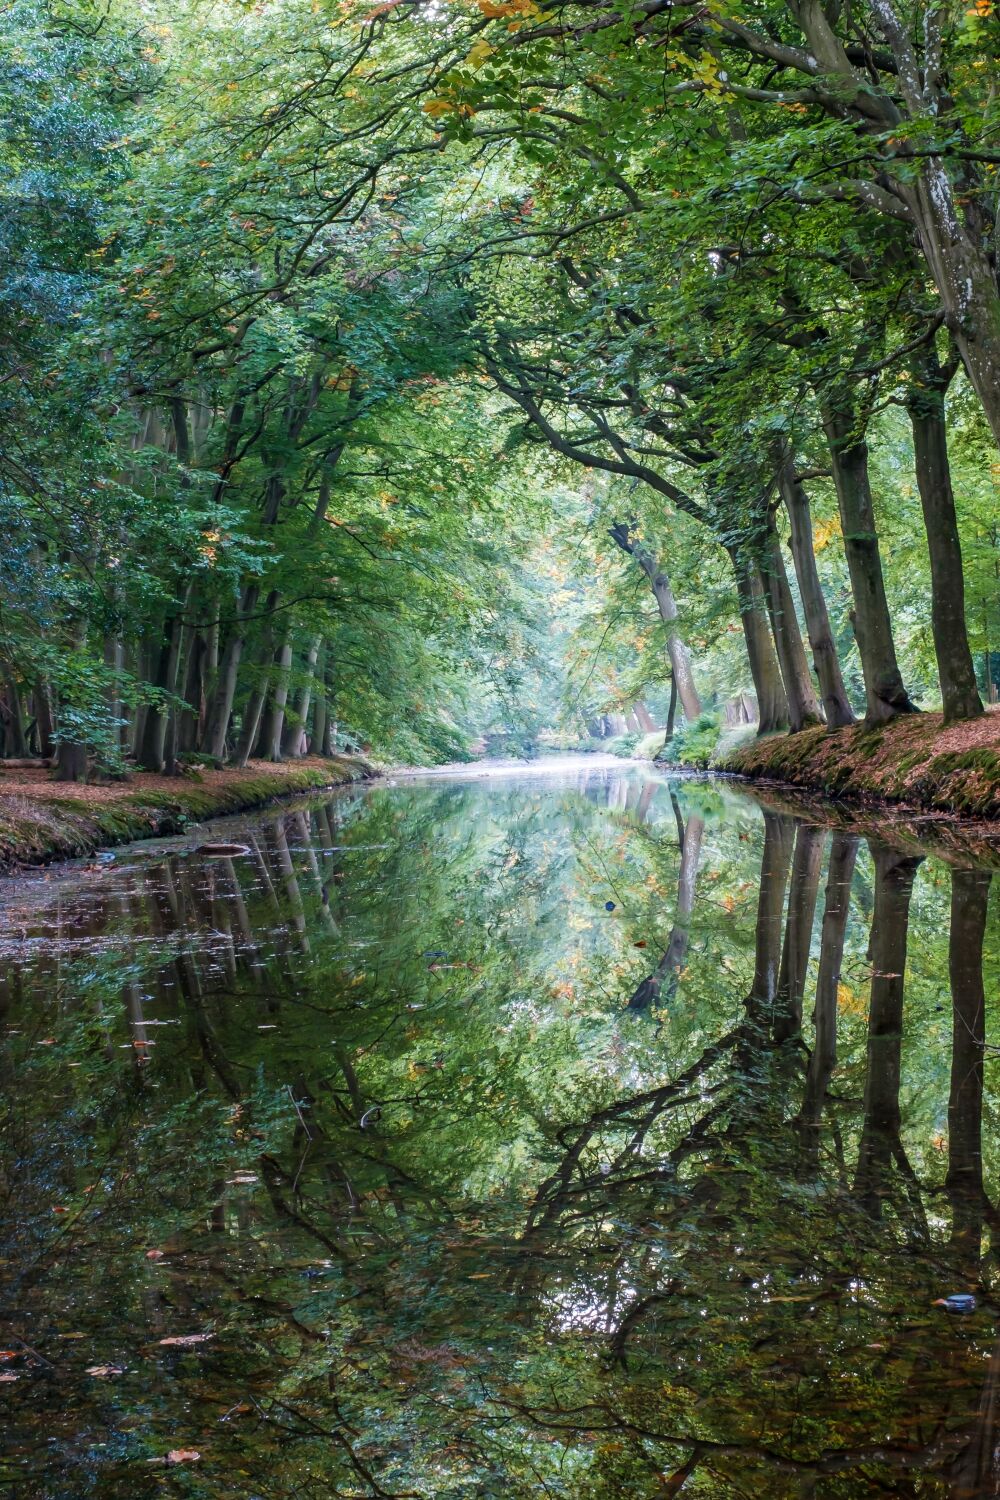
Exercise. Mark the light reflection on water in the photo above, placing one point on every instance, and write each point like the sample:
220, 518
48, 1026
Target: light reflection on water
385, 1159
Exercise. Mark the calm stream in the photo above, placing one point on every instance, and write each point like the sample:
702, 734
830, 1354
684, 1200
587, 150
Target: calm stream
583, 1133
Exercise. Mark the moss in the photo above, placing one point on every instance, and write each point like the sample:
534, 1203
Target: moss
913, 761
34, 830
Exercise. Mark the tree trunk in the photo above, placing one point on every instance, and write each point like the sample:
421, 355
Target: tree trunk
680, 660
194, 691
885, 695
221, 711
16, 747
44, 719
836, 703
71, 761
293, 733
274, 719
803, 709
114, 656
320, 712
772, 705
925, 404
253, 713
149, 752
671, 710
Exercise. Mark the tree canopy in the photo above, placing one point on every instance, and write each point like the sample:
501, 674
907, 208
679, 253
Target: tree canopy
399, 374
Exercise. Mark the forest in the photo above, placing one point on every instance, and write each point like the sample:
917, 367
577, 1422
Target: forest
397, 375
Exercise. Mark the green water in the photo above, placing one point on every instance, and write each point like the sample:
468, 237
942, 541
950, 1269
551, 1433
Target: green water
383, 1159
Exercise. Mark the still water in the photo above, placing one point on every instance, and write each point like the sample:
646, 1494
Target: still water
587, 1134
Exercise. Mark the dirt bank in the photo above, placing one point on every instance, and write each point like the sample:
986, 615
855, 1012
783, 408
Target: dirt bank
914, 762
42, 820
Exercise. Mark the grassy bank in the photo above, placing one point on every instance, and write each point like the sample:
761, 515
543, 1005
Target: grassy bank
914, 762
43, 820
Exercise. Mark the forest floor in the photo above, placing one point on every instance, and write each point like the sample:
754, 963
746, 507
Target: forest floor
914, 762
42, 819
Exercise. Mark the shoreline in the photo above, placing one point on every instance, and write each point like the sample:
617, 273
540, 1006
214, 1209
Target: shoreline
915, 767
43, 821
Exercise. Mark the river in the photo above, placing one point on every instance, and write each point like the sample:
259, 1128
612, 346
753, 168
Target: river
578, 1133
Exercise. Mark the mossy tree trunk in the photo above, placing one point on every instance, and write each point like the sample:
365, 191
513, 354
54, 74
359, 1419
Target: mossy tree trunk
926, 406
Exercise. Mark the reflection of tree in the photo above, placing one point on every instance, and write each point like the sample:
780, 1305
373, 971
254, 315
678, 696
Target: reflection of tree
660, 986
881, 1143
806, 862
823, 1058
693, 1301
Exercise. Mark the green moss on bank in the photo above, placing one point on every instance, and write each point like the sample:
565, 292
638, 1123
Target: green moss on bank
37, 829
914, 762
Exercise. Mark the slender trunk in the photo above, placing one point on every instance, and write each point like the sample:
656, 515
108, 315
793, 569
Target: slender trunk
644, 717
274, 720
221, 711
671, 709
803, 709
770, 907
253, 713
880, 1142
210, 677
836, 908
44, 718
970, 893
16, 747
772, 705
293, 735
885, 695
151, 751
660, 987
114, 655
194, 690
806, 862
836, 703
956, 673
320, 712
680, 660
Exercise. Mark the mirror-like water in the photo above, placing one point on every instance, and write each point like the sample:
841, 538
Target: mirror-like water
583, 1135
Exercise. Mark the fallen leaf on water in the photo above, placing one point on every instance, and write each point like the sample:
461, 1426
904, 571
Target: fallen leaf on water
7, 1376
177, 1456
155, 1254
69, 1335
103, 1370
8, 1353
188, 1338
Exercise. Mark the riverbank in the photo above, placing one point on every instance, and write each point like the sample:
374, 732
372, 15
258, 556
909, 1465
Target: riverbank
915, 762
43, 820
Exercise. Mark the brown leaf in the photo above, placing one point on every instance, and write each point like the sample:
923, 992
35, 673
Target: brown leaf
184, 1339
104, 1370
183, 1456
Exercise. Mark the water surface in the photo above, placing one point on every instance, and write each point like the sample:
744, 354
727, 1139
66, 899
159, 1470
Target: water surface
585, 1134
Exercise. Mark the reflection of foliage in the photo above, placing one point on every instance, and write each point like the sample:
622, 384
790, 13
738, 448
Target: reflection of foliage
576, 1246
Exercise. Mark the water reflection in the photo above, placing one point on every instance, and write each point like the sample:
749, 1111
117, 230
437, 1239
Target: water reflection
354, 1163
